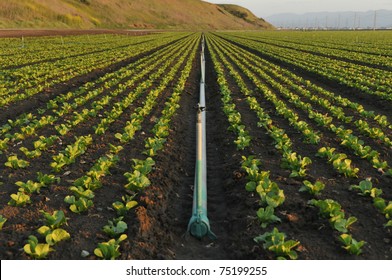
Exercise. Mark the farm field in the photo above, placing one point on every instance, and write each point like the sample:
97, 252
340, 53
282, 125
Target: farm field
97, 145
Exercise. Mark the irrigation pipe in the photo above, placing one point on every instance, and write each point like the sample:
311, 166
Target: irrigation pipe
199, 225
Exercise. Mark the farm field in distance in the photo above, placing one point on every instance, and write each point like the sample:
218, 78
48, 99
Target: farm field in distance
97, 145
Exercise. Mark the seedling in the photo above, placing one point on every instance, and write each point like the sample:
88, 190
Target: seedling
53, 236
350, 244
365, 188
314, 189
56, 220
110, 250
78, 205
2, 221
29, 187
19, 199
136, 181
275, 242
47, 179
115, 228
15, 163
144, 166
123, 207
266, 216
35, 249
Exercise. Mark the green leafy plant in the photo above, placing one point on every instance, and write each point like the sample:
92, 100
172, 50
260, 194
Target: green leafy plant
326, 152
296, 164
243, 140
274, 241
87, 183
44, 142
47, 179
266, 216
332, 210
78, 205
153, 145
123, 207
53, 236
81, 192
344, 167
365, 188
4, 144
56, 220
314, 189
15, 163
350, 244
116, 227
2, 221
143, 166
35, 249
115, 149
19, 199
270, 193
341, 224
136, 180
29, 187
110, 250
30, 154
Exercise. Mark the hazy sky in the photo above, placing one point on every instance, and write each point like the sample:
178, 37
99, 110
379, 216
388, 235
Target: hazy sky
263, 8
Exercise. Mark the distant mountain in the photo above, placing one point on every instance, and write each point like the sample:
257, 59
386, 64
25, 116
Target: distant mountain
380, 19
165, 14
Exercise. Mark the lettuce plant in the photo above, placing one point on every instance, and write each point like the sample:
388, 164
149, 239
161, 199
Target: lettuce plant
153, 145
350, 244
78, 205
19, 199
47, 179
341, 224
116, 227
123, 207
332, 210
2, 221
15, 163
266, 216
314, 189
81, 192
56, 220
296, 164
29, 187
365, 188
35, 249
136, 180
53, 236
44, 142
109, 250
274, 241
30, 154
143, 166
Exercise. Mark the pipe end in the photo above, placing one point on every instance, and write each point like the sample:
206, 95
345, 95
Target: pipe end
199, 229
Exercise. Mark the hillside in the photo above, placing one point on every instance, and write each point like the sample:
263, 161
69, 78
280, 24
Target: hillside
245, 14
167, 14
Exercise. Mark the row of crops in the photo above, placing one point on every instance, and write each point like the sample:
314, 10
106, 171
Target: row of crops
85, 122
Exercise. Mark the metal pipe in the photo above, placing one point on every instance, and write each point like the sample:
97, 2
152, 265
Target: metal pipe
199, 225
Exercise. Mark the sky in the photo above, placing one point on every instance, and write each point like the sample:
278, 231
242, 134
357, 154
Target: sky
264, 8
